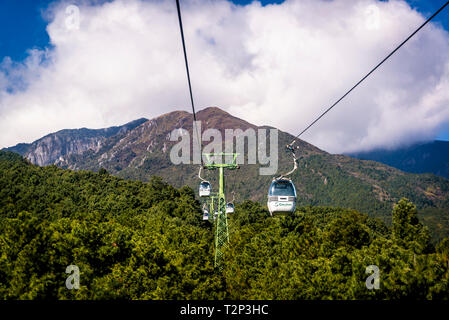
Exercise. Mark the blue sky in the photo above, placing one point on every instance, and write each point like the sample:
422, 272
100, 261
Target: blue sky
22, 26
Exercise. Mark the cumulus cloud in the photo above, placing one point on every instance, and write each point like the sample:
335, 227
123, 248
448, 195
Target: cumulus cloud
278, 65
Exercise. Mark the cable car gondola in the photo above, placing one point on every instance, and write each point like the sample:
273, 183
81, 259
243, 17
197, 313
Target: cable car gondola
205, 212
229, 207
282, 192
205, 189
281, 196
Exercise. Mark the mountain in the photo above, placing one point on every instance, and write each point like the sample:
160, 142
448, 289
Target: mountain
322, 179
55, 147
430, 157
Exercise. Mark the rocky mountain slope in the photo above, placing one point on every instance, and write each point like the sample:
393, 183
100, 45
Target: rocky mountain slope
56, 147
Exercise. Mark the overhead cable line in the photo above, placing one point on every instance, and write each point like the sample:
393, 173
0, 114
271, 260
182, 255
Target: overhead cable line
178, 7
367, 75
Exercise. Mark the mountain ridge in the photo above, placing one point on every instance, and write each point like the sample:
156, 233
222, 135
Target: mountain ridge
422, 157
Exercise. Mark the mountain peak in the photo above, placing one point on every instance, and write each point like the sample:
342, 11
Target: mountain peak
216, 118
203, 114
213, 111
210, 117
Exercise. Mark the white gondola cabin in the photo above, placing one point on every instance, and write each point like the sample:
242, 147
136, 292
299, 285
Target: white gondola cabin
281, 196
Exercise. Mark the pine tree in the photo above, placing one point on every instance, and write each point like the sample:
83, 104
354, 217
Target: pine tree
407, 230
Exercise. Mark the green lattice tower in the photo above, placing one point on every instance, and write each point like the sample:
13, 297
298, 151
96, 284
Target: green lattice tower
221, 222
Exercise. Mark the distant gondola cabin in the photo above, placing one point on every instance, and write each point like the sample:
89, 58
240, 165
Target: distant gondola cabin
205, 189
229, 207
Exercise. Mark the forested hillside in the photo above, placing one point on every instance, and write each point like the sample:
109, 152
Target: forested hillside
138, 240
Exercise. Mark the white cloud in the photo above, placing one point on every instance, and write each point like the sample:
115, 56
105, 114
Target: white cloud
279, 65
